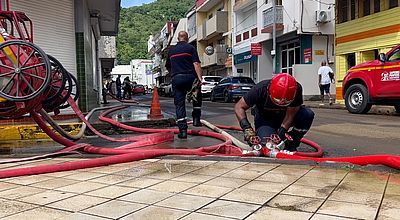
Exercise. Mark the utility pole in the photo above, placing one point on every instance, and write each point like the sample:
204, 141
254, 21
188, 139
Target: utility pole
273, 52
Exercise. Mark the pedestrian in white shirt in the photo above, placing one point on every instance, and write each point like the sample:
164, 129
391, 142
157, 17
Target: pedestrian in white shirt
325, 77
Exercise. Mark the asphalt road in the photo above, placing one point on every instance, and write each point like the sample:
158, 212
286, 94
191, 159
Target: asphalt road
337, 131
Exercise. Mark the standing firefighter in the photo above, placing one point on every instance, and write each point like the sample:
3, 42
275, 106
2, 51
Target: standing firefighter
184, 65
278, 107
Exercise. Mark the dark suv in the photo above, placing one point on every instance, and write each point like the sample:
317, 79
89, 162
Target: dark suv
231, 87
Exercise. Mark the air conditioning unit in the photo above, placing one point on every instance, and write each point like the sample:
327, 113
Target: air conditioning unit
323, 16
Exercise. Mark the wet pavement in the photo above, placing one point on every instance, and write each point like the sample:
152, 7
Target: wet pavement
200, 189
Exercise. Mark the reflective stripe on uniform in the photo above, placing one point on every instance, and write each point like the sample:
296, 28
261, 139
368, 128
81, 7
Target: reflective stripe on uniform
181, 119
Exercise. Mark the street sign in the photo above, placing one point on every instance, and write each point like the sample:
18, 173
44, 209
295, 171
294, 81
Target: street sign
256, 49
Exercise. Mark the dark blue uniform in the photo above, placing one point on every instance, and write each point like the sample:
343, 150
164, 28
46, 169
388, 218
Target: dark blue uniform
180, 65
268, 117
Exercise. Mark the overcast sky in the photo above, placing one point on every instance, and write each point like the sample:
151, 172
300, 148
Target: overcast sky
130, 3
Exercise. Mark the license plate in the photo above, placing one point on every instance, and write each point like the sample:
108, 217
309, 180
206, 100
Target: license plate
246, 88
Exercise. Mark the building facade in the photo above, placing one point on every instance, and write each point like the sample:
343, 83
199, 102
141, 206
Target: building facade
378, 30
71, 31
142, 72
214, 25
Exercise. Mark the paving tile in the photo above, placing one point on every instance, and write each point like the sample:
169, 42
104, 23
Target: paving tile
77, 203
351, 210
146, 196
193, 178
172, 161
278, 214
249, 196
6, 186
265, 186
228, 164
111, 179
317, 182
54, 183
172, 186
84, 176
183, 168
135, 172
361, 187
200, 216
185, 202
295, 203
200, 163
28, 180
8, 207
163, 175
291, 170
46, 197
243, 174
114, 209
278, 178
229, 209
159, 213
365, 198
327, 173
211, 171
390, 207
328, 217
308, 191
62, 174
81, 216
40, 213
110, 169
262, 167
82, 187
140, 182
393, 186
111, 192
19, 192
373, 177
207, 190
227, 182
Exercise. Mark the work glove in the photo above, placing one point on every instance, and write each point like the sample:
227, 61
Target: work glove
249, 135
281, 132
194, 91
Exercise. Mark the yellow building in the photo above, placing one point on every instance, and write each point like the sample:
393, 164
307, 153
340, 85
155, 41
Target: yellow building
364, 28
214, 25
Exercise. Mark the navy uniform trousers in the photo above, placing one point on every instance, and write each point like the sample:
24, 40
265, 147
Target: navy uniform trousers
181, 85
302, 122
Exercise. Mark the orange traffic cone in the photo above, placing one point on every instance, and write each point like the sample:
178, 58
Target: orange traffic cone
155, 110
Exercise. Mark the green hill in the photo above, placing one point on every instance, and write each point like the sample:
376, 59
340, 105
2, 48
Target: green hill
138, 23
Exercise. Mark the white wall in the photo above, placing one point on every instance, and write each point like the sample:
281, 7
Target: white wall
264, 68
123, 70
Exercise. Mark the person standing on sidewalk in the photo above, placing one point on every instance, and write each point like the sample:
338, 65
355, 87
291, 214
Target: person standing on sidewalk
184, 65
325, 76
278, 106
119, 86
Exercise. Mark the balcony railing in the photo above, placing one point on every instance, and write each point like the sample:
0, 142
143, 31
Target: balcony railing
268, 19
217, 58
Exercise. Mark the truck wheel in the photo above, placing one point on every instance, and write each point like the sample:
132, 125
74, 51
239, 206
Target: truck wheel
397, 107
356, 99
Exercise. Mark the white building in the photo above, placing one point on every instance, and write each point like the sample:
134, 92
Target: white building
123, 70
304, 38
142, 72
71, 30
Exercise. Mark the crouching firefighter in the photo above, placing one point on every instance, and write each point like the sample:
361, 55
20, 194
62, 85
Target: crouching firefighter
277, 105
184, 65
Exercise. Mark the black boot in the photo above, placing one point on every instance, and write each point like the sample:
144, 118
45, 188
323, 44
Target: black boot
295, 143
196, 122
182, 134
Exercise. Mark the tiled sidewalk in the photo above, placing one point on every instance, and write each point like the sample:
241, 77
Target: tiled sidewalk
198, 189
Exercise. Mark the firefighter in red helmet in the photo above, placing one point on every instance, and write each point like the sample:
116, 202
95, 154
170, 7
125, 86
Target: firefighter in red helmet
278, 109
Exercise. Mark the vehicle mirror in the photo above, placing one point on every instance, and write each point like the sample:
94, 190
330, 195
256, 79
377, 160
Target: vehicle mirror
382, 57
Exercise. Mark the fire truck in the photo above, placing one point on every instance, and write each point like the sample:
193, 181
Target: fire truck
374, 82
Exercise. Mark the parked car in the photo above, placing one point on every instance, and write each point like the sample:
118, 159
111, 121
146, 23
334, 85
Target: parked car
165, 89
208, 83
230, 88
375, 82
138, 89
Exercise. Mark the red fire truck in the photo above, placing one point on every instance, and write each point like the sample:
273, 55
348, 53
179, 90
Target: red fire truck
375, 82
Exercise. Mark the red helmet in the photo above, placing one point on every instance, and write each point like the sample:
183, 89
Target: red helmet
282, 89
